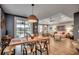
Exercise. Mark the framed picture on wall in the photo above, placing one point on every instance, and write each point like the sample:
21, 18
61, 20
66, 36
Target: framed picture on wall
61, 28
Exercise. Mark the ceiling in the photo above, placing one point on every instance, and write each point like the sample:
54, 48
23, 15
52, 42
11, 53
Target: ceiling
42, 11
57, 19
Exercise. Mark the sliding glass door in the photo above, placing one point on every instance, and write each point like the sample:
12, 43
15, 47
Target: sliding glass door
22, 27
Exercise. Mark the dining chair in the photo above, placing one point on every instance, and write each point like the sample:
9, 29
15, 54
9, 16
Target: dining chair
0, 50
5, 40
9, 50
42, 47
29, 48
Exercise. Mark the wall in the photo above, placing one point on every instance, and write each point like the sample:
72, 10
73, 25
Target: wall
0, 22
68, 26
10, 24
3, 23
76, 25
35, 28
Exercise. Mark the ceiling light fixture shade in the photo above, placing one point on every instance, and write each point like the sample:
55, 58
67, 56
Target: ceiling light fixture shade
32, 18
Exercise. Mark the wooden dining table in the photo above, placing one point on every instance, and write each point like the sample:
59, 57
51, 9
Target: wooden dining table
19, 41
24, 40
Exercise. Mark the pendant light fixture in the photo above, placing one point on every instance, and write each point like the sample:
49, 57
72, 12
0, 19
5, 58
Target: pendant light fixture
32, 18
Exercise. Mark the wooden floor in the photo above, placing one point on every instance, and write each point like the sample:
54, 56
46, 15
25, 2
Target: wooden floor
63, 47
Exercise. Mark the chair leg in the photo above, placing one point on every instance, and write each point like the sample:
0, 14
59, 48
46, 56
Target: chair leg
47, 51
23, 51
35, 52
26, 52
40, 50
47, 48
35, 49
13, 52
3, 48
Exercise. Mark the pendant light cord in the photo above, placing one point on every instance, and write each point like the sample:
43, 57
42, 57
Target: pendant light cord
32, 9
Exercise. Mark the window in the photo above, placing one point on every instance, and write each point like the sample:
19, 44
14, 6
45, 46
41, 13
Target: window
42, 28
22, 27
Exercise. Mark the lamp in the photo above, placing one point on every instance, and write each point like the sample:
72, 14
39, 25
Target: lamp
32, 18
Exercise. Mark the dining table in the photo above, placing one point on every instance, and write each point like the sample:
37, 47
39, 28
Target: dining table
25, 40
19, 41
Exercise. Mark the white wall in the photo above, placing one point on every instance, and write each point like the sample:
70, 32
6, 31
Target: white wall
67, 26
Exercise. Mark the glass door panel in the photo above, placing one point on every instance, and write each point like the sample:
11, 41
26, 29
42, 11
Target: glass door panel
23, 27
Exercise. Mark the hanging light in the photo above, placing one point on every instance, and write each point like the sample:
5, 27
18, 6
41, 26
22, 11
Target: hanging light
32, 18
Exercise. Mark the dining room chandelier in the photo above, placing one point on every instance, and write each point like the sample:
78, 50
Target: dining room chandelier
32, 18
